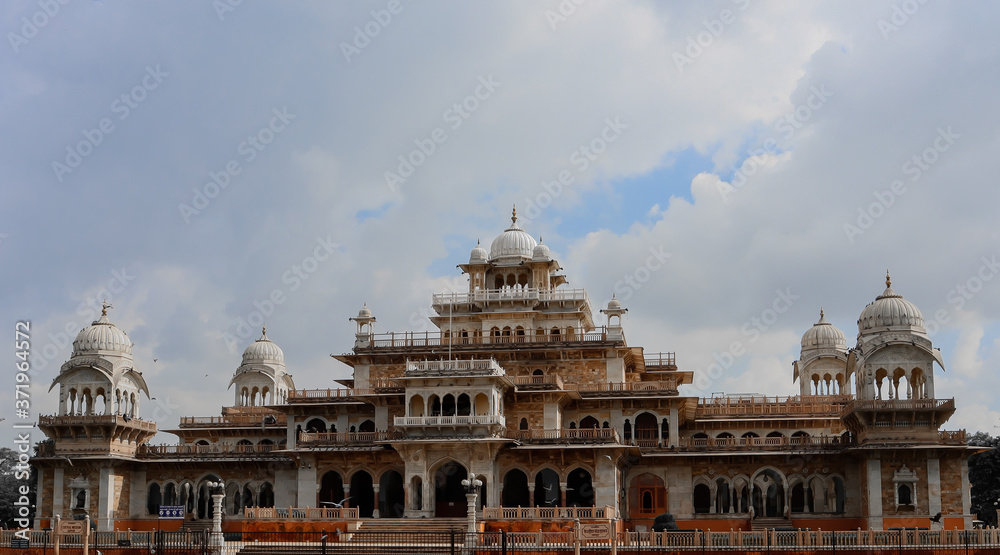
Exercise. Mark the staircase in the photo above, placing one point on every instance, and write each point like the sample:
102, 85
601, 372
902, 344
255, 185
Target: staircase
772, 523
200, 525
408, 525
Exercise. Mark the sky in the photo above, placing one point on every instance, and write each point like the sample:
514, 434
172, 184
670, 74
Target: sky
724, 168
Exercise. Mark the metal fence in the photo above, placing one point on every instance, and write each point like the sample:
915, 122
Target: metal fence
911, 542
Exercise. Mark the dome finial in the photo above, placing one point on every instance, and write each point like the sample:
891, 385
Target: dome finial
513, 215
888, 280
263, 330
104, 307
821, 315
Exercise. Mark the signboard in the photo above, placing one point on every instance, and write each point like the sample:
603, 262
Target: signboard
172, 511
596, 531
71, 527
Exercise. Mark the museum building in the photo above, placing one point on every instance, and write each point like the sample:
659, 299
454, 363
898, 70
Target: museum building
557, 416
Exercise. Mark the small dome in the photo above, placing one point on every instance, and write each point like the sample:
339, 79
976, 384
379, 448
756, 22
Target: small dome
824, 335
541, 251
614, 303
513, 242
891, 310
102, 335
365, 312
263, 350
478, 255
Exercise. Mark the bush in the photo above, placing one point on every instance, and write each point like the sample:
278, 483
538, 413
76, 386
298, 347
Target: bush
664, 523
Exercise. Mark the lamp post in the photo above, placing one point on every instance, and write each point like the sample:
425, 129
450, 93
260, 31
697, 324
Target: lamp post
218, 491
471, 492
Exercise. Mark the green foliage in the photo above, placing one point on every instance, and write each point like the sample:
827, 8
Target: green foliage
984, 476
664, 522
10, 486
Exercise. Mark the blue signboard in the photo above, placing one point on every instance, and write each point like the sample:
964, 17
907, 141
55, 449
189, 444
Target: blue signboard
172, 511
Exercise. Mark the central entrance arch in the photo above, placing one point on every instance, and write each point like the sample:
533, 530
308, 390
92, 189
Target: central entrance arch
449, 494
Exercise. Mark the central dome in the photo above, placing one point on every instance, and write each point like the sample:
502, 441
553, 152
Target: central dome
891, 310
102, 336
263, 350
513, 242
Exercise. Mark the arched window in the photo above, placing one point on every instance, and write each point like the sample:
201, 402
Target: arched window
464, 405
524, 424
153, 499
905, 494
448, 405
367, 426
702, 499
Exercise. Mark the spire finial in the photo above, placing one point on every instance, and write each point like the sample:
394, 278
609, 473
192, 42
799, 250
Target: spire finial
513, 215
104, 307
888, 280
263, 329
821, 315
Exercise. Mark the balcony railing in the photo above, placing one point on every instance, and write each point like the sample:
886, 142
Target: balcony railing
345, 438
772, 406
443, 339
759, 443
547, 513
96, 420
300, 513
953, 437
511, 294
481, 367
566, 435
660, 360
333, 394
217, 450
234, 420
473, 420
899, 404
613, 388
550, 381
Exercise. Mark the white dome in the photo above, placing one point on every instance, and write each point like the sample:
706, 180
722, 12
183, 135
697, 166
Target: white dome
513, 242
365, 312
478, 255
891, 310
541, 251
824, 335
102, 335
263, 350
614, 303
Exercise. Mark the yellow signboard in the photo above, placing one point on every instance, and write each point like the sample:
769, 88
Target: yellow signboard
596, 531
71, 527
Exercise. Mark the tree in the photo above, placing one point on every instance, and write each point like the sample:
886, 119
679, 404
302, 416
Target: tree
10, 484
984, 477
